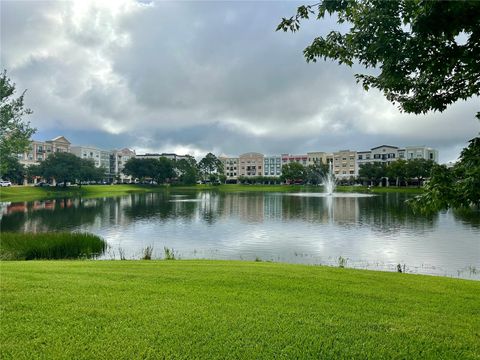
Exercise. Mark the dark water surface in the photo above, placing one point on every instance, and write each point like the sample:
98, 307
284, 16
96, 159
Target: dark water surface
375, 232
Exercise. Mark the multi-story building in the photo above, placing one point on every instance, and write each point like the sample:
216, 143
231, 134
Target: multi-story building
101, 158
89, 152
251, 164
344, 164
388, 153
288, 158
230, 167
318, 157
383, 153
421, 152
272, 165
118, 158
40, 150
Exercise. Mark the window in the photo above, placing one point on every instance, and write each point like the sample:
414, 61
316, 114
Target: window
360, 157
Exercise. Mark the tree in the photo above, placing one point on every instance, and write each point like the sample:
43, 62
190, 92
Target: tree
32, 172
164, 170
458, 187
15, 133
426, 51
15, 172
186, 170
397, 170
61, 166
373, 172
88, 171
209, 165
418, 169
293, 172
315, 172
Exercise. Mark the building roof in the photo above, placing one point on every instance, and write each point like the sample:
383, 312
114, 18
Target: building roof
60, 139
389, 146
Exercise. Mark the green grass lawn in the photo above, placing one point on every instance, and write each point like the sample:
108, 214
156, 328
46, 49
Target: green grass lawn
228, 309
30, 193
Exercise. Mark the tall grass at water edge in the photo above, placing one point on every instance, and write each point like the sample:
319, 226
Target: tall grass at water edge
60, 245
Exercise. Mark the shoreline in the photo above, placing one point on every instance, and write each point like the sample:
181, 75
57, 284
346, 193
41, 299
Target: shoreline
31, 193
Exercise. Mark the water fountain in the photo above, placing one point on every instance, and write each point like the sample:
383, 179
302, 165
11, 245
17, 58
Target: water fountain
329, 181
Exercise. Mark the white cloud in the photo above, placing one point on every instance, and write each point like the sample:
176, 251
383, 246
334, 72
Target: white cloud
197, 77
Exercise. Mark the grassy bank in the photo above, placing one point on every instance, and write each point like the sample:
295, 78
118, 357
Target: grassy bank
53, 245
30, 193
220, 309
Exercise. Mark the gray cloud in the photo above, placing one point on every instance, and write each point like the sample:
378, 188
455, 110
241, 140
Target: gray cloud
201, 76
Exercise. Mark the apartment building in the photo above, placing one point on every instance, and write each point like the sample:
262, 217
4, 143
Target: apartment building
251, 164
288, 158
101, 158
388, 153
421, 152
272, 165
318, 156
344, 164
91, 153
382, 153
230, 167
118, 158
40, 150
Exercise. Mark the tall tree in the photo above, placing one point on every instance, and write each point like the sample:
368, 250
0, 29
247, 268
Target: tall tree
210, 165
15, 172
61, 166
426, 51
397, 170
186, 170
164, 170
15, 132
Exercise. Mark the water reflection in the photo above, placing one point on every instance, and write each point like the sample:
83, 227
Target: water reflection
372, 232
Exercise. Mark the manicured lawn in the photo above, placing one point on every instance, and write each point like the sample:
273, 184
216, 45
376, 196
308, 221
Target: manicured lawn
221, 309
30, 193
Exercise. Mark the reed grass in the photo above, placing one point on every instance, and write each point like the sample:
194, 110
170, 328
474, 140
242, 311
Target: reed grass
61, 245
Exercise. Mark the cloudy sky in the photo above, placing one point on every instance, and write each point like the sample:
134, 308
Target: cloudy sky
194, 77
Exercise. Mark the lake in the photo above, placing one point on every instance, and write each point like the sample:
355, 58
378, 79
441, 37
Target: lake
368, 232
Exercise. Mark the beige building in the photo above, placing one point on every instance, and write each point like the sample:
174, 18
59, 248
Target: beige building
251, 164
344, 164
318, 156
117, 163
40, 150
230, 167
288, 158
